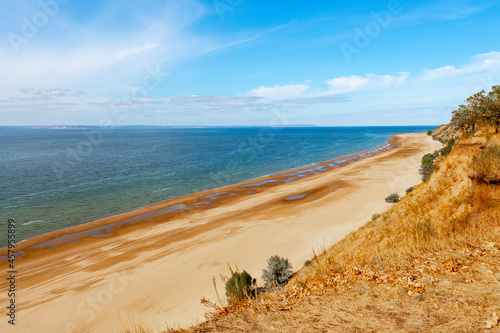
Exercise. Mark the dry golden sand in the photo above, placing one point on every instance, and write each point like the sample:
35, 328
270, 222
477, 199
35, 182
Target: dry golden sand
155, 272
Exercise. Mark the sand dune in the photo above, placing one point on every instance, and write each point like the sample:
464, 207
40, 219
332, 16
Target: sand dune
155, 268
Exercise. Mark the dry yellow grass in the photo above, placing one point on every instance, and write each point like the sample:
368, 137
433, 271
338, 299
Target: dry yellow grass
445, 133
430, 263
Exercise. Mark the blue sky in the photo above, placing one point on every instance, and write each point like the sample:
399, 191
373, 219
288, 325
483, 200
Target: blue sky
244, 62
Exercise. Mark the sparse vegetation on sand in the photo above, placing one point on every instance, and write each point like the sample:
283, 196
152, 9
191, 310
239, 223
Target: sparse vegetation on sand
410, 189
393, 198
277, 273
427, 166
239, 287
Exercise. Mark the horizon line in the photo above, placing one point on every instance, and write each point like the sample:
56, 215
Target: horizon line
207, 126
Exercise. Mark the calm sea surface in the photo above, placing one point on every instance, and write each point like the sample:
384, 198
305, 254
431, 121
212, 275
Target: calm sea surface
57, 178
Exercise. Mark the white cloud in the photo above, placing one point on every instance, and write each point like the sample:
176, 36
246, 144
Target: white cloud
55, 92
211, 102
39, 106
280, 92
97, 59
135, 50
438, 73
316, 100
30, 98
345, 84
299, 94
480, 63
211, 99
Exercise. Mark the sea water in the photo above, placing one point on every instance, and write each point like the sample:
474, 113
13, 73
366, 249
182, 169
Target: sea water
58, 178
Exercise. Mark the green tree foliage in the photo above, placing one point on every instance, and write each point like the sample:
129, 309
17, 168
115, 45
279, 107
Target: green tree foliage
492, 107
480, 107
239, 286
277, 273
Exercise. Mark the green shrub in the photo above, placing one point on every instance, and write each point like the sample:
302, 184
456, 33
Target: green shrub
429, 132
426, 171
486, 167
277, 273
427, 166
375, 216
307, 263
393, 198
446, 150
410, 189
239, 286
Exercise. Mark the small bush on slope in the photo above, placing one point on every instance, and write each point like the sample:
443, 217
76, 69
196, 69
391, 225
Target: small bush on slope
446, 150
239, 286
277, 273
393, 198
427, 166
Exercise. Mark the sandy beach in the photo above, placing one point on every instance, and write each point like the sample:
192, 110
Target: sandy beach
152, 266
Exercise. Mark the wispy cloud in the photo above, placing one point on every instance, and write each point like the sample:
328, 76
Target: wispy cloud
102, 55
212, 99
135, 50
345, 89
39, 106
317, 100
280, 92
233, 43
479, 64
30, 98
282, 26
127, 102
446, 10
302, 94
56, 92
260, 35
228, 100
345, 84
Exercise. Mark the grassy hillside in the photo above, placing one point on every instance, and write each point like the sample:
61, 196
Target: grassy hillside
430, 263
